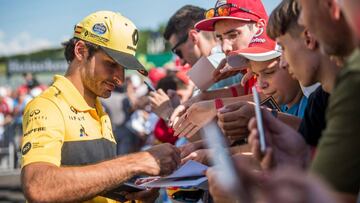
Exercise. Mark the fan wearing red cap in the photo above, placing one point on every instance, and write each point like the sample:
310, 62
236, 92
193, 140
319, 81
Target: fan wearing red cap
262, 57
263, 54
235, 23
191, 44
273, 80
242, 10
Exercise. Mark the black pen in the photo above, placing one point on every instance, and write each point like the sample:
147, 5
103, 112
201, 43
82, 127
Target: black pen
150, 86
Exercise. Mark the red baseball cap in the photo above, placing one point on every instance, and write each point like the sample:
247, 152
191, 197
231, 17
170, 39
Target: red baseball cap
261, 48
245, 10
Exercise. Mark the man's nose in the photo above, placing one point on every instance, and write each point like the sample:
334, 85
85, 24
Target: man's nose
283, 62
263, 84
226, 46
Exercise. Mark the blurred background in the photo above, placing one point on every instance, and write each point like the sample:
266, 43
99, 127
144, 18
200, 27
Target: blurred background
31, 33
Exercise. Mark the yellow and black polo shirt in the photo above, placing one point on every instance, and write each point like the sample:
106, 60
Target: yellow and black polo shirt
61, 128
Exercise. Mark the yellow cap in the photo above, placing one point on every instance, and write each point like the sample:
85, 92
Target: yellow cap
115, 34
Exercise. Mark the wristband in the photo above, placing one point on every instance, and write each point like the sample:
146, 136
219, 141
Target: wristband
234, 91
218, 103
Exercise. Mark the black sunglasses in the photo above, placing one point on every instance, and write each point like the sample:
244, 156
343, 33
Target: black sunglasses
182, 40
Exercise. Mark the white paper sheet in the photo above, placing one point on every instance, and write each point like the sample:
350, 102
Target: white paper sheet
189, 169
201, 73
192, 173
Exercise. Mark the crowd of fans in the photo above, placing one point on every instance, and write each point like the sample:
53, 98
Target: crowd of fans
12, 105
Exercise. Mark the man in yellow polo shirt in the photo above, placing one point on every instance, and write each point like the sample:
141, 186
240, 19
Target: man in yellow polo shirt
69, 151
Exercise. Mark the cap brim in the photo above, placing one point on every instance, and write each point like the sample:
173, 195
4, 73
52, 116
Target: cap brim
208, 24
126, 60
257, 54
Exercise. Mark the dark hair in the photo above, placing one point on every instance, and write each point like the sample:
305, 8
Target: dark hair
170, 82
283, 19
183, 20
70, 45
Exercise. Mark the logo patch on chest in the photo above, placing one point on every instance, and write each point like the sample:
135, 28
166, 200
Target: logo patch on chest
82, 132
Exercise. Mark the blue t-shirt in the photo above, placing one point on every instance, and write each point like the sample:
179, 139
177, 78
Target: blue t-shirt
230, 81
296, 110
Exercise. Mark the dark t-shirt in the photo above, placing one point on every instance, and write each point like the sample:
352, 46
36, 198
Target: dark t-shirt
313, 121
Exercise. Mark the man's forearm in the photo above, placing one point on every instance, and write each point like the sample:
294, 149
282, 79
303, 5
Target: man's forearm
48, 183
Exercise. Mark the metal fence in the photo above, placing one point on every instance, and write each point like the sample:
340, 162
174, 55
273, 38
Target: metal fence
9, 148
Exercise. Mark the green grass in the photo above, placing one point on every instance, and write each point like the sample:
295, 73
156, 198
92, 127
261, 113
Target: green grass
2, 68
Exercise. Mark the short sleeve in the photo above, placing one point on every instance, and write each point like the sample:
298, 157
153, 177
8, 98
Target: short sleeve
43, 132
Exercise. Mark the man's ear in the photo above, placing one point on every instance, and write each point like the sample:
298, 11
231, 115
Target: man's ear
260, 23
261, 26
310, 41
194, 36
80, 50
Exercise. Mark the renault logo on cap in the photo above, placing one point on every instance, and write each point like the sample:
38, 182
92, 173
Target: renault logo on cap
135, 37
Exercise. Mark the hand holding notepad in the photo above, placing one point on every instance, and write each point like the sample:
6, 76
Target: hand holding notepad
201, 73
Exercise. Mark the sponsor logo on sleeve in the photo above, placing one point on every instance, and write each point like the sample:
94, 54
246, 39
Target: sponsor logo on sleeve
34, 130
26, 148
34, 115
37, 145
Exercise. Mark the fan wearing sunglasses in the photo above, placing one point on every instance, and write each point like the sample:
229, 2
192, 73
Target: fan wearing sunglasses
188, 43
